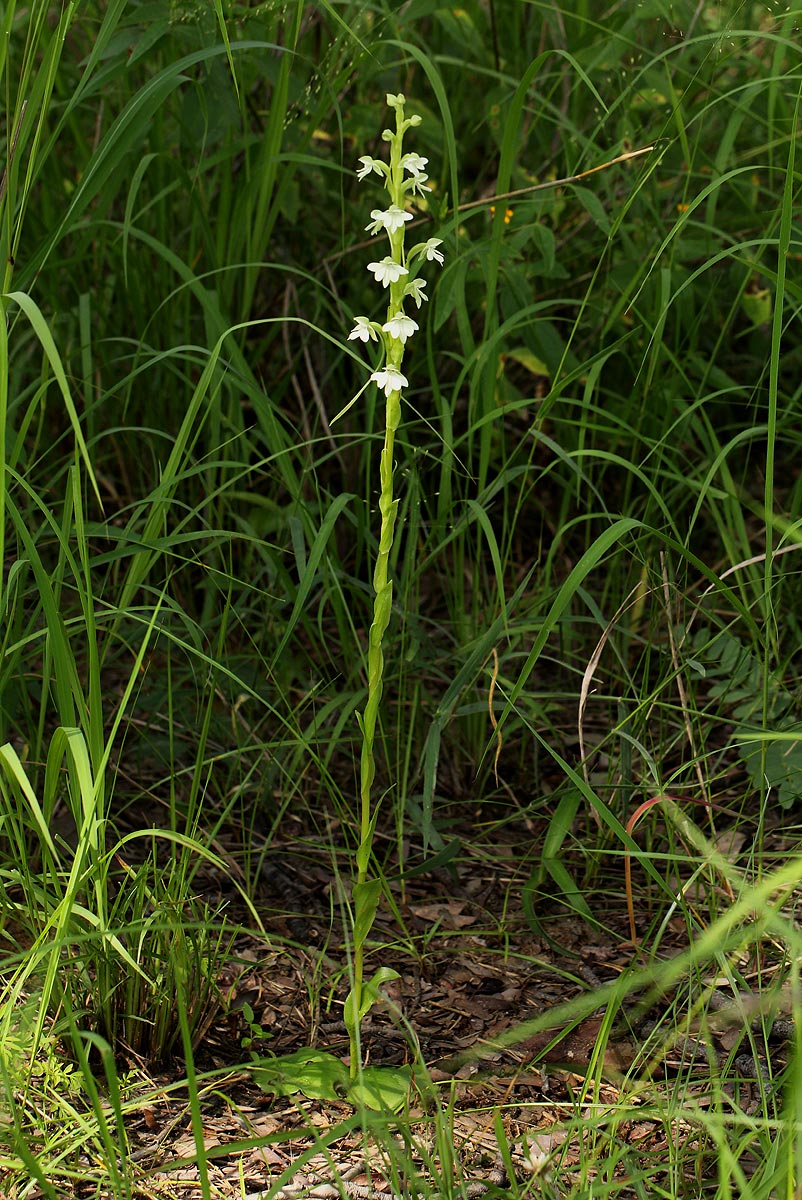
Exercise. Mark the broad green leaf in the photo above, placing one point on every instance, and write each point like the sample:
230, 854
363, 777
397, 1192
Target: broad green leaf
594, 208
383, 975
756, 304
366, 845
381, 1088
534, 365
370, 996
366, 901
315, 1073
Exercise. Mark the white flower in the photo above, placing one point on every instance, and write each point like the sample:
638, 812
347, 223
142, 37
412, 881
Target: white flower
400, 326
417, 184
363, 329
396, 101
369, 164
414, 164
390, 379
431, 251
387, 271
415, 290
391, 220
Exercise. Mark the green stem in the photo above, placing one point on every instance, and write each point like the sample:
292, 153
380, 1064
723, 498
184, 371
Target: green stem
388, 506
382, 608
365, 898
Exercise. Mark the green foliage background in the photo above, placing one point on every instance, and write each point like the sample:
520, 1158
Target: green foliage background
597, 465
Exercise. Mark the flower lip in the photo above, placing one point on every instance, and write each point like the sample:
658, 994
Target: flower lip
400, 326
414, 164
415, 289
387, 271
369, 164
390, 379
417, 184
392, 219
431, 251
363, 329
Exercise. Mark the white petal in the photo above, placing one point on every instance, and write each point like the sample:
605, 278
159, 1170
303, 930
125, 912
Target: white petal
415, 289
363, 330
387, 271
390, 380
414, 163
400, 326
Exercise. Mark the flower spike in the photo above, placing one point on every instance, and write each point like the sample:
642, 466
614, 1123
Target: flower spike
404, 176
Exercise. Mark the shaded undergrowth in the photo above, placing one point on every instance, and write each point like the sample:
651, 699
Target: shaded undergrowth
596, 577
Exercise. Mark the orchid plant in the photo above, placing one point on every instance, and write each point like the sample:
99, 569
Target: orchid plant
404, 177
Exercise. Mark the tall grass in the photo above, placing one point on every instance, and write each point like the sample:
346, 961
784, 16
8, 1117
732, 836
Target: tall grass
598, 475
